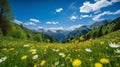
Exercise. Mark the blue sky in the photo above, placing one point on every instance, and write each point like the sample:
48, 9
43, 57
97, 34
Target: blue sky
63, 14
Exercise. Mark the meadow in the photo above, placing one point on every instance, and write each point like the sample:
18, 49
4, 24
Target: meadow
99, 52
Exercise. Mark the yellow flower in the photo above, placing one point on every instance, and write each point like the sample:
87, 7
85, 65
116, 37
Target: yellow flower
63, 56
11, 49
104, 60
42, 62
34, 52
24, 57
4, 49
35, 65
76, 63
98, 65
102, 43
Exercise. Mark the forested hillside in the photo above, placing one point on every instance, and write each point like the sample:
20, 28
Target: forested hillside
100, 31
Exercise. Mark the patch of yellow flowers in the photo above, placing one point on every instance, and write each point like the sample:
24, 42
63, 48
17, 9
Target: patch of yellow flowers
42, 62
98, 65
104, 60
24, 57
34, 52
102, 43
76, 63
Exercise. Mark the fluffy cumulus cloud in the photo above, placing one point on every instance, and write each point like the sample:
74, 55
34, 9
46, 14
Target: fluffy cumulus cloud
73, 17
91, 7
75, 26
18, 22
34, 20
85, 16
40, 27
30, 23
115, 0
55, 29
59, 10
98, 17
52, 22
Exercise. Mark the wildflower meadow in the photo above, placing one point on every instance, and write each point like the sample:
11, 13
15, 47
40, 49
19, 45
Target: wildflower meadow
100, 52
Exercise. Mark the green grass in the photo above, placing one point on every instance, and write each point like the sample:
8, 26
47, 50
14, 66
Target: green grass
14, 49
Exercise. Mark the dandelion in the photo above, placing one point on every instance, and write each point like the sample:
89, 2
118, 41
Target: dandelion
114, 45
102, 43
104, 60
3, 59
42, 62
11, 49
117, 51
88, 50
35, 65
34, 52
24, 57
76, 63
98, 65
5, 49
35, 57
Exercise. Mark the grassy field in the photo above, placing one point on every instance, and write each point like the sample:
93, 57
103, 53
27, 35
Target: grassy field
100, 52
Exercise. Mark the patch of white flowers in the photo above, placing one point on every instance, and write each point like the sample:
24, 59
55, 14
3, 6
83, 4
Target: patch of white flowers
114, 45
88, 50
3, 59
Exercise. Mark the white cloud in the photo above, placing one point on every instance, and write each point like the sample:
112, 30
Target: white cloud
52, 22
59, 10
75, 26
115, 0
97, 17
59, 28
30, 23
18, 22
40, 27
85, 16
91, 7
34, 20
72, 5
55, 29
73, 17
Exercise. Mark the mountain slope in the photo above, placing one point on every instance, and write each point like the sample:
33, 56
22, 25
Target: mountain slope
98, 24
100, 29
77, 32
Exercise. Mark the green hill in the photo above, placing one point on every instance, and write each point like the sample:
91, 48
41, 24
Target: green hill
100, 30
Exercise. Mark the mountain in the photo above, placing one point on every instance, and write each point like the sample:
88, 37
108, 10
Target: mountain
57, 34
103, 28
21, 32
85, 29
60, 35
77, 32
100, 23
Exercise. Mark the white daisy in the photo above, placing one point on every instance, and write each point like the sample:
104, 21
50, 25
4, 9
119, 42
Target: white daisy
26, 45
35, 57
114, 45
33, 50
88, 50
117, 51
